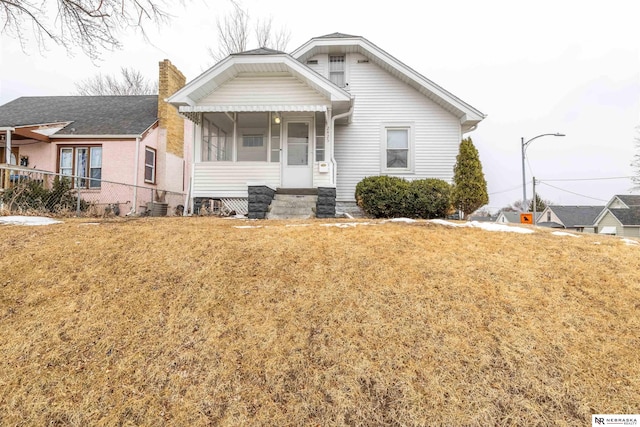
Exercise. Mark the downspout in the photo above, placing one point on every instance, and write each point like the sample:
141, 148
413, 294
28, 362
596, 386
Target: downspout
334, 165
134, 207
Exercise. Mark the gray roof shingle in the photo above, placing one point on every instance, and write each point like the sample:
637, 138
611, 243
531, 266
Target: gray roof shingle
629, 199
90, 115
627, 216
260, 51
572, 216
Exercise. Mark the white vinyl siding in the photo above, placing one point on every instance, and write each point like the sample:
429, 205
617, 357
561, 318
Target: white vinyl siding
230, 179
282, 90
381, 98
608, 220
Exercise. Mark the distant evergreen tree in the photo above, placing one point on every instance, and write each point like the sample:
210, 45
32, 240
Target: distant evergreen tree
541, 204
469, 184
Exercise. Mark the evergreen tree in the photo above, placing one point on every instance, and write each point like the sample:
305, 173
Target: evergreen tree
541, 204
469, 185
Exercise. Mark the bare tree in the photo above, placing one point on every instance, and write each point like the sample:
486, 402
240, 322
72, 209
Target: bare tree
635, 164
130, 82
91, 25
267, 37
233, 33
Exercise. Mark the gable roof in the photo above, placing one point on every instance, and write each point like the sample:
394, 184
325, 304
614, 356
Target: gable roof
469, 116
573, 216
628, 199
628, 217
88, 115
263, 61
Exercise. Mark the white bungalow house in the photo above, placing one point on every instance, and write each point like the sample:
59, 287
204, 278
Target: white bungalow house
318, 120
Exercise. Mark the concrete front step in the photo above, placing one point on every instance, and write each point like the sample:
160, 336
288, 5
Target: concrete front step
292, 207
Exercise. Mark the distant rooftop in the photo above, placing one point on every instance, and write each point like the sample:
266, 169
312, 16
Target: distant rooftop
89, 115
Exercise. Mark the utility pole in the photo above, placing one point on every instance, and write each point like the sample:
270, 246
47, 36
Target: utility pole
534, 201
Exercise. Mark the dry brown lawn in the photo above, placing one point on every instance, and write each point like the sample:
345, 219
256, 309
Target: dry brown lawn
172, 321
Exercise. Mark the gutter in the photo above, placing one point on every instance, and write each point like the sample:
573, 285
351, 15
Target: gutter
334, 164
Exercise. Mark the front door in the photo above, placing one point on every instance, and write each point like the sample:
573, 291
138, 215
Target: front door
296, 165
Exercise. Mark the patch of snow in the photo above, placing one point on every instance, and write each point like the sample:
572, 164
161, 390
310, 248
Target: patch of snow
297, 225
405, 220
247, 226
27, 220
596, 243
90, 223
344, 224
562, 233
630, 242
488, 226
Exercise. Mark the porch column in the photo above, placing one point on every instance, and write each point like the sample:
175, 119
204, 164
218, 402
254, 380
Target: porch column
7, 155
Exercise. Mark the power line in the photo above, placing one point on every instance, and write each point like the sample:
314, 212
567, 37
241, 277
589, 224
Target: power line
571, 192
518, 187
588, 179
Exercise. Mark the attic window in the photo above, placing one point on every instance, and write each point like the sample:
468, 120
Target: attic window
363, 61
336, 70
312, 62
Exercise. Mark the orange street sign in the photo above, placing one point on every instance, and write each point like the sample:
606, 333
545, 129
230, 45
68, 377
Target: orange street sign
526, 218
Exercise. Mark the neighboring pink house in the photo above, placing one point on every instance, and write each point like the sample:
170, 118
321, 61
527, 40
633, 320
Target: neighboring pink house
135, 140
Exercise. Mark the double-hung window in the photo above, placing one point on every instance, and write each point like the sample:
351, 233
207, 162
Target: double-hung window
85, 163
397, 152
149, 165
336, 70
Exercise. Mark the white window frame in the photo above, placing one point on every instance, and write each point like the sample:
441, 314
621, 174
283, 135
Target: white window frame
152, 166
409, 127
72, 170
342, 72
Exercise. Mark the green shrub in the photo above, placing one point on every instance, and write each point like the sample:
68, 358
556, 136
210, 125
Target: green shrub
430, 198
383, 196
389, 197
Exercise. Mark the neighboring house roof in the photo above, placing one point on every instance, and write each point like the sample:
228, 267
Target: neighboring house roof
88, 115
627, 217
574, 216
629, 199
469, 116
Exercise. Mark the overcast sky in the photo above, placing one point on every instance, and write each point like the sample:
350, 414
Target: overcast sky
537, 67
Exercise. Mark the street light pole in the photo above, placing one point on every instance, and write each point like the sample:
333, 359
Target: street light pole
523, 146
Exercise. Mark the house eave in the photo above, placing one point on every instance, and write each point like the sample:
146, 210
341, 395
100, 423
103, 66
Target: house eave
94, 136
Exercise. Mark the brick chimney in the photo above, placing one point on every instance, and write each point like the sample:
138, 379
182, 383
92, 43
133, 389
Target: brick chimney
169, 82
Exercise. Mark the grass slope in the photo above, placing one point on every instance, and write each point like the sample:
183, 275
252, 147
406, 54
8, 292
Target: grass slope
194, 322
